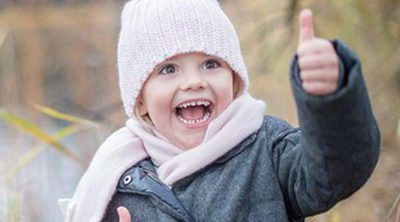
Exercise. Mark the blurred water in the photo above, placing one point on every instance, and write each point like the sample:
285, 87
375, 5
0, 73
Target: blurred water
3, 194
2, 136
44, 180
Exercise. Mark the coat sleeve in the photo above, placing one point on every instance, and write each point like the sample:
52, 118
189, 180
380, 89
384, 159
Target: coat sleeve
336, 147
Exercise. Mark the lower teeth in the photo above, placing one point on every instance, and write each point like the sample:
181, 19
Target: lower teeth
197, 121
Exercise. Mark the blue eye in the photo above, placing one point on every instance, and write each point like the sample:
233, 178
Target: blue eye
168, 69
211, 64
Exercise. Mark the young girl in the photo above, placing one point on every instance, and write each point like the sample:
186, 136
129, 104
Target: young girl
197, 146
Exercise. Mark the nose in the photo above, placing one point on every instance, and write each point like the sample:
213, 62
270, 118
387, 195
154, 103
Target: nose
193, 81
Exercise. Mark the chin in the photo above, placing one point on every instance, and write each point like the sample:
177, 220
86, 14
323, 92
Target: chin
192, 143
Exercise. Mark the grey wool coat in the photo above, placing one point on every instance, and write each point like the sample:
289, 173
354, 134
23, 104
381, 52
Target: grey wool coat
277, 174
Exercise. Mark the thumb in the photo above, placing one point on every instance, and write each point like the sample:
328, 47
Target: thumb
306, 31
123, 214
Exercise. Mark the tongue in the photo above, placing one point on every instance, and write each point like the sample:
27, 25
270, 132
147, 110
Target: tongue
192, 112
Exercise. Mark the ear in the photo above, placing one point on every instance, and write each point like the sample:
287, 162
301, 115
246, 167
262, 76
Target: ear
237, 84
141, 107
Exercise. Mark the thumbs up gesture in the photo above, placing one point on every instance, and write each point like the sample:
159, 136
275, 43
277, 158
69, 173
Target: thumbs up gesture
317, 59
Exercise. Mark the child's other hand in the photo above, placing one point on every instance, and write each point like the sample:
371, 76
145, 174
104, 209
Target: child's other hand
317, 59
123, 214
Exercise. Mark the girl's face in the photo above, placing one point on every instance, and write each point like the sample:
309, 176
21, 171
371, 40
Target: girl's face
184, 94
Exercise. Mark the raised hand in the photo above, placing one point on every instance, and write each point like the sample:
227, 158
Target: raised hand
123, 214
317, 59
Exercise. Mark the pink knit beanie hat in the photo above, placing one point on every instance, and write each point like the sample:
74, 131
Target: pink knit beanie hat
155, 30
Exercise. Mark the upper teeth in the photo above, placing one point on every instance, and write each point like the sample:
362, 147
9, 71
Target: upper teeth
195, 103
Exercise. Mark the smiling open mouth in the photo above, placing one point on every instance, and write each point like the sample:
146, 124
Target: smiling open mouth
194, 112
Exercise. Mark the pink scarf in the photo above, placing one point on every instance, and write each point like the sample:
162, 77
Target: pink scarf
135, 142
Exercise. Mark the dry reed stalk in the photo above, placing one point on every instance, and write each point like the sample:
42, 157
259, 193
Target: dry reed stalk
3, 34
395, 205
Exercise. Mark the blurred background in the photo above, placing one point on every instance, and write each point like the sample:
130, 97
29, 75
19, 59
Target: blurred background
59, 96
